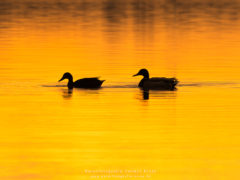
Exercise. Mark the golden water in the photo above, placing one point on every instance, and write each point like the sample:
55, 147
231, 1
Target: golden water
50, 133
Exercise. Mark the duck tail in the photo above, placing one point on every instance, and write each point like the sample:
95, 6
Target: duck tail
102, 82
175, 81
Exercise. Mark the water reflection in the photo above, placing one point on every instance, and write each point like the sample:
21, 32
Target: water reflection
158, 94
117, 10
145, 94
67, 93
80, 93
55, 133
143, 13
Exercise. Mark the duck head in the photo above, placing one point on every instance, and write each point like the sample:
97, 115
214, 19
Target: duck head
143, 72
68, 76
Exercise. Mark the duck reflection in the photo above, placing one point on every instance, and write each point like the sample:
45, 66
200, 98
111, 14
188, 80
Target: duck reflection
67, 93
145, 94
158, 94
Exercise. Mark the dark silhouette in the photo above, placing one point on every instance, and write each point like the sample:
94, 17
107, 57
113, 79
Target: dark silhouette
67, 94
161, 83
88, 83
146, 94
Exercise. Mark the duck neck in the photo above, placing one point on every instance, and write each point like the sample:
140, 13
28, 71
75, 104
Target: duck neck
146, 75
70, 82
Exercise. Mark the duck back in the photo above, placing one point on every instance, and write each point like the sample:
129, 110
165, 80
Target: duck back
88, 83
160, 83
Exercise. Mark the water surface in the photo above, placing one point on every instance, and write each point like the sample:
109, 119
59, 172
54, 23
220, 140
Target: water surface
48, 132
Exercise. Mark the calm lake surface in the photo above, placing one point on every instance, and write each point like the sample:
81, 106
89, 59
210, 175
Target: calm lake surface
48, 132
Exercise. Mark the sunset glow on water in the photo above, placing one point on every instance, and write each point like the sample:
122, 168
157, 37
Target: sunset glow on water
49, 132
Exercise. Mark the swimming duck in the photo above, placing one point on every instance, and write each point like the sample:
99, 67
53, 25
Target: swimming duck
156, 82
88, 83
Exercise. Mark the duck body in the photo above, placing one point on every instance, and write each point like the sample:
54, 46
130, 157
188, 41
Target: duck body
158, 83
87, 83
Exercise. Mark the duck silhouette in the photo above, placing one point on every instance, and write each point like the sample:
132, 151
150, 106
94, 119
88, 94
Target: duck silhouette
87, 83
161, 83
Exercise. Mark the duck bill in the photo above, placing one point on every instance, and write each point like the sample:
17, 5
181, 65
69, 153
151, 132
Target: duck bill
61, 79
135, 75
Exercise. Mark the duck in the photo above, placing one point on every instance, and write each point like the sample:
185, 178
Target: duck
87, 83
161, 83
